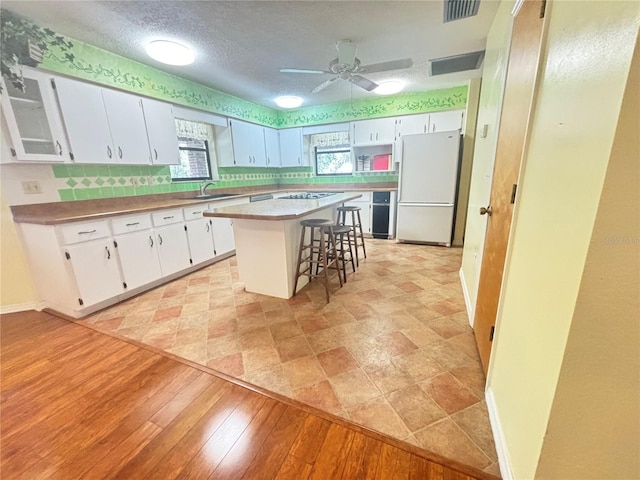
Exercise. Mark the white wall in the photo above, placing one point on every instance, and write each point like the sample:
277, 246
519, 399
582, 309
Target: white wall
490, 107
586, 58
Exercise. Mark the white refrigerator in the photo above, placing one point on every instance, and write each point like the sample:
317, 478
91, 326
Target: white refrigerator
427, 187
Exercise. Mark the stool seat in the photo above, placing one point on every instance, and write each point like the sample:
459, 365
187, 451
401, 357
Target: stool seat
348, 208
341, 229
316, 222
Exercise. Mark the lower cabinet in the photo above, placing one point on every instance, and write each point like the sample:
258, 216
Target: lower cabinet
138, 255
222, 235
173, 248
200, 240
364, 202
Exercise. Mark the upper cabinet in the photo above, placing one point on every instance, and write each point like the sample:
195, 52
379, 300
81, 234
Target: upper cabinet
372, 132
33, 120
248, 144
161, 131
446, 121
291, 151
110, 126
412, 124
272, 146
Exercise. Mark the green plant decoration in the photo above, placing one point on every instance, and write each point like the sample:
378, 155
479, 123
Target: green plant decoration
23, 43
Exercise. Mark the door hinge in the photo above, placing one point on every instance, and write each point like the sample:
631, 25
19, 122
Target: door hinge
53, 84
66, 254
185, 228
543, 8
513, 193
80, 302
491, 332
13, 152
214, 252
124, 284
115, 244
71, 156
191, 261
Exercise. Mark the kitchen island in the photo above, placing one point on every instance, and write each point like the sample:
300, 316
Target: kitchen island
267, 236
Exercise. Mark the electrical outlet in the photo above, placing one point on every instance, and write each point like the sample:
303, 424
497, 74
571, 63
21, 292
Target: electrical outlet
135, 182
31, 187
151, 181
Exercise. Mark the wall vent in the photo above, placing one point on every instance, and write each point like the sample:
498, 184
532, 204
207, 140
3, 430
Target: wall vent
457, 9
456, 63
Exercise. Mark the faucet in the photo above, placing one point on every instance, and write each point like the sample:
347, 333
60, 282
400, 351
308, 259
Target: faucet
204, 186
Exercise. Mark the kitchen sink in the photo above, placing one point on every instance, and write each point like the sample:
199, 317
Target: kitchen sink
215, 195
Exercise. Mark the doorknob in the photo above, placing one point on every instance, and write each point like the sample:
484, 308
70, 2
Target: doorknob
488, 210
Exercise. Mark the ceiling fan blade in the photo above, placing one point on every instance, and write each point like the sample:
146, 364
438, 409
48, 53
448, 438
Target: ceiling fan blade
299, 70
346, 52
324, 85
362, 82
385, 66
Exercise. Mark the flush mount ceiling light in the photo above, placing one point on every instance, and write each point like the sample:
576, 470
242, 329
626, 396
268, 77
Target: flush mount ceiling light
389, 87
288, 101
171, 53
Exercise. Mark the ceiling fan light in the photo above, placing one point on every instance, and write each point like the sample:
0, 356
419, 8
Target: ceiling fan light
171, 53
288, 101
389, 87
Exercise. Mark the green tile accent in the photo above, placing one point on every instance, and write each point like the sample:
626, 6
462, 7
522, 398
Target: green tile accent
122, 181
103, 171
90, 171
66, 194
75, 170
60, 171
106, 192
111, 181
99, 181
118, 191
129, 191
71, 182
143, 190
86, 182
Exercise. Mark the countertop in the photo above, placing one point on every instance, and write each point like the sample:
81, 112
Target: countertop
83, 210
280, 208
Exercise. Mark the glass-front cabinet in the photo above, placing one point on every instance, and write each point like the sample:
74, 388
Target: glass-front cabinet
33, 120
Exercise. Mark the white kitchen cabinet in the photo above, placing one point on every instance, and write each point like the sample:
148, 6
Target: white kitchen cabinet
128, 130
291, 149
137, 250
364, 202
412, 124
446, 121
272, 147
161, 132
223, 239
86, 122
173, 248
376, 131
33, 119
248, 144
200, 240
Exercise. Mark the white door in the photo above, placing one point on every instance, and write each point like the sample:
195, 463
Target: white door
446, 121
376, 131
272, 146
223, 239
128, 129
365, 214
258, 148
200, 240
138, 254
291, 154
425, 223
429, 169
95, 268
90, 141
409, 125
173, 248
33, 119
241, 137
161, 130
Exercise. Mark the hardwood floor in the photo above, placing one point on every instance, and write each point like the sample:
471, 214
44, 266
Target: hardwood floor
76, 403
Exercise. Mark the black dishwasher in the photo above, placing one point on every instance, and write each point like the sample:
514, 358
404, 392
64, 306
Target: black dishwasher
380, 214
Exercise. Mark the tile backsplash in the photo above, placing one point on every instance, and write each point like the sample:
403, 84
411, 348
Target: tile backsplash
84, 182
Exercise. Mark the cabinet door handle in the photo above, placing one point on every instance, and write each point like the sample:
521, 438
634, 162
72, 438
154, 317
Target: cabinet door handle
160, 239
196, 213
108, 253
119, 152
109, 153
299, 161
371, 136
208, 228
87, 232
434, 128
425, 128
155, 152
59, 147
167, 218
132, 224
150, 241
376, 136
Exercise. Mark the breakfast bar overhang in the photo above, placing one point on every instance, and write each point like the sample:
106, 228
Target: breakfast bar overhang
267, 235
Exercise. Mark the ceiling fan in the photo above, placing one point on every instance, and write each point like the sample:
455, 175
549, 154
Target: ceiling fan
347, 67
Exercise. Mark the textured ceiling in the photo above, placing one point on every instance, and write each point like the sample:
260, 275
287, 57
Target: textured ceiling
240, 46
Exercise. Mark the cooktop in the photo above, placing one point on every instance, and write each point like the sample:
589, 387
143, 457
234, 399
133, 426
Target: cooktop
310, 195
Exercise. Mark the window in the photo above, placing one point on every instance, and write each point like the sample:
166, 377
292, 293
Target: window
333, 161
332, 153
196, 162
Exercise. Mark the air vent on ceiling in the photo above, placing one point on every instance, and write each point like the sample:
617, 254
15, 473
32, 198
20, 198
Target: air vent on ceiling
457, 9
456, 63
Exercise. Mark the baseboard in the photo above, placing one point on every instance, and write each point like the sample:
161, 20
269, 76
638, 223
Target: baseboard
498, 436
18, 307
467, 301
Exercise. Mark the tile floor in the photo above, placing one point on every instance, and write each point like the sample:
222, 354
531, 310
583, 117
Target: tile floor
392, 351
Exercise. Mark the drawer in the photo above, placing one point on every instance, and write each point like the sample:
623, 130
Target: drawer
131, 223
192, 213
167, 217
83, 232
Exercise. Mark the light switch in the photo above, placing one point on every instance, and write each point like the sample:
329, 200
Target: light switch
31, 187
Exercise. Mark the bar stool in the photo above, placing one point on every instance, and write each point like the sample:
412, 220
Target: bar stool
320, 252
344, 252
356, 228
